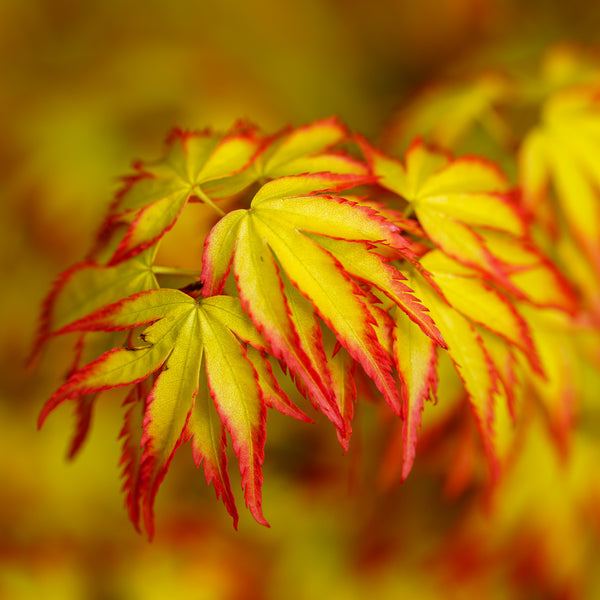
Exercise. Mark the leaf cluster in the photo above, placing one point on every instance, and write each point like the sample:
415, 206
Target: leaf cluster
336, 266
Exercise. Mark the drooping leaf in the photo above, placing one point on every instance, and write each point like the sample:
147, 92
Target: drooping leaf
563, 151
472, 362
415, 355
181, 334
467, 292
281, 230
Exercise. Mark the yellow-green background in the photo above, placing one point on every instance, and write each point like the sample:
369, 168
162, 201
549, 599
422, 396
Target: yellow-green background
86, 87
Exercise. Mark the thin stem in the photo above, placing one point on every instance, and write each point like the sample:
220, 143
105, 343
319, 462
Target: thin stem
198, 192
158, 270
409, 210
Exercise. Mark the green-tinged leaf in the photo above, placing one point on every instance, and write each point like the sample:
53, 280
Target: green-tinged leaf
273, 396
152, 201
416, 360
86, 287
305, 185
131, 452
305, 149
182, 332
233, 385
208, 438
218, 252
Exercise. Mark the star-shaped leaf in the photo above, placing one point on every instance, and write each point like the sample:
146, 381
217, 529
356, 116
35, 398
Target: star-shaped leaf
288, 233
152, 200
184, 341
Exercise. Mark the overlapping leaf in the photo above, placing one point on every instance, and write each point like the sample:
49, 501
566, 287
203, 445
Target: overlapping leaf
294, 151
465, 208
152, 200
286, 234
456, 201
184, 341
88, 286
564, 150
472, 361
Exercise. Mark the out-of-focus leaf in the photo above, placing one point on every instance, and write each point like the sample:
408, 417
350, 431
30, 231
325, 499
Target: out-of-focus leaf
564, 151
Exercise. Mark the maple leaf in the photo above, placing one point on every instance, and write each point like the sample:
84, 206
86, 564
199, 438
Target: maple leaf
307, 149
455, 201
184, 341
473, 105
87, 286
287, 234
564, 151
472, 361
153, 199
466, 209
415, 357
293, 151
465, 290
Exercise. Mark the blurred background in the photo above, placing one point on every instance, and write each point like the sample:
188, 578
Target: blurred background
86, 87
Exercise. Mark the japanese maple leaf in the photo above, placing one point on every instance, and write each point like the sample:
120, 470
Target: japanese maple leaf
153, 199
291, 232
472, 104
87, 286
185, 340
473, 363
564, 151
306, 149
294, 151
465, 208
455, 201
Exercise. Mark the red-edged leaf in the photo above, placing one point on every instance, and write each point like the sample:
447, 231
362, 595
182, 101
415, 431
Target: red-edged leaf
365, 265
464, 289
208, 439
342, 368
86, 287
459, 203
283, 232
274, 397
472, 362
180, 333
152, 203
131, 454
416, 361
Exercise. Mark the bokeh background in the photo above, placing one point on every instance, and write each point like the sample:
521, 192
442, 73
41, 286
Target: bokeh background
88, 86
